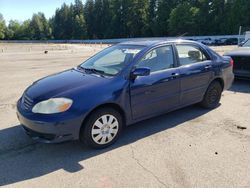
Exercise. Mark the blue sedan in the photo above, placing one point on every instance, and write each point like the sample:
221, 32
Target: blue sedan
121, 85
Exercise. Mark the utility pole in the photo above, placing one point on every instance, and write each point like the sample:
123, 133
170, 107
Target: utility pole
239, 34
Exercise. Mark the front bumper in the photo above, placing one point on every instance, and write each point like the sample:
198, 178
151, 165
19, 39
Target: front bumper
51, 132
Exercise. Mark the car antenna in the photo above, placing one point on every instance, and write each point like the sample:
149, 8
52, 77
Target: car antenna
182, 35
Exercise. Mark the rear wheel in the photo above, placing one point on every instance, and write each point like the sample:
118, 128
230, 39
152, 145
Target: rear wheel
102, 128
212, 96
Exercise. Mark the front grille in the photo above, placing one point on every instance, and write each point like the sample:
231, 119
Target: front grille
27, 102
241, 63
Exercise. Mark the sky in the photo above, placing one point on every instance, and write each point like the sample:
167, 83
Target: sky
23, 9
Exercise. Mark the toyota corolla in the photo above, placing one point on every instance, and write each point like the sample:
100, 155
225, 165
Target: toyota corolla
119, 86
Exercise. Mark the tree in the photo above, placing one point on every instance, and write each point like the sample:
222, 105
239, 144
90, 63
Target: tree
119, 17
163, 12
18, 30
79, 24
14, 30
129, 18
90, 18
180, 26
25, 33
69, 22
39, 27
236, 14
61, 23
137, 17
133, 18
102, 18
151, 18
107, 18
2, 27
79, 27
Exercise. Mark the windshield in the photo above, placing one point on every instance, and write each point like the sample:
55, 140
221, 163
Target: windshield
112, 60
247, 43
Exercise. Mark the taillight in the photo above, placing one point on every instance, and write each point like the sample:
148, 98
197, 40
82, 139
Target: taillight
231, 62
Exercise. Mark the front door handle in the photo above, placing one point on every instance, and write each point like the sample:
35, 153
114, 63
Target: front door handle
207, 67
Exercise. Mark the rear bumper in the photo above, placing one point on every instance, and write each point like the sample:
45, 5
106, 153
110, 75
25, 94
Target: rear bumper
242, 73
51, 132
228, 78
229, 82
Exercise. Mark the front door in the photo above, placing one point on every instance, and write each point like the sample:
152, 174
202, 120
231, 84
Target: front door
159, 91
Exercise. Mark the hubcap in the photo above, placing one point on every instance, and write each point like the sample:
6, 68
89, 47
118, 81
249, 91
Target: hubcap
105, 129
213, 96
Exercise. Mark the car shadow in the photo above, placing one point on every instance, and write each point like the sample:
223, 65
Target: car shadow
22, 159
241, 86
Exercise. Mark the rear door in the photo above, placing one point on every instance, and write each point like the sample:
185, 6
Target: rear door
195, 70
158, 91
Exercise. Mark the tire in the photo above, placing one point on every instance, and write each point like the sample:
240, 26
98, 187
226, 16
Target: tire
102, 128
212, 96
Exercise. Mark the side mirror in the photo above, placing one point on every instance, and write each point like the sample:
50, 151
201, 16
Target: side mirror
144, 71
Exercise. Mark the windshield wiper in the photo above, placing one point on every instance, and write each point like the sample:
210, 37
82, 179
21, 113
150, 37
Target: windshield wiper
96, 71
93, 70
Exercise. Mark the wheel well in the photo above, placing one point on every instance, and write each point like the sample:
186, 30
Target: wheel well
107, 105
220, 80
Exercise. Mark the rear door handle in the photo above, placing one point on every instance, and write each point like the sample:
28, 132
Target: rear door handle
175, 75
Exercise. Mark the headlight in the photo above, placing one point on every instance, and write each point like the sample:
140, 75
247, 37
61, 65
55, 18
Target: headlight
52, 106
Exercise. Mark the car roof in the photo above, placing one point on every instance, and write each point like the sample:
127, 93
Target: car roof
150, 42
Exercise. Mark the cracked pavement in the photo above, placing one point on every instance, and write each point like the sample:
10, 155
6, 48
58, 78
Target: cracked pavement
191, 147
145, 168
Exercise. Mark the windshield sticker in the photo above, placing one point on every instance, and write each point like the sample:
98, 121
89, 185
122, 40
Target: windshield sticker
131, 51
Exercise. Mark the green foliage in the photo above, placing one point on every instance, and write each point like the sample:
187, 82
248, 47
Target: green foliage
162, 15
151, 18
16, 30
2, 27
180, 26
98, 19
39, 27
137, 18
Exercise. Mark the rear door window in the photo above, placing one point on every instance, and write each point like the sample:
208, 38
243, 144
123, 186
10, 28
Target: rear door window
189, 54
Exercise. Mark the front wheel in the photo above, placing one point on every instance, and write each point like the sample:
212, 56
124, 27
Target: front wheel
212, 96
102, 128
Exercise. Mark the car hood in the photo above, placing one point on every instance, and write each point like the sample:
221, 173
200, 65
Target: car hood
62, 82
241, 51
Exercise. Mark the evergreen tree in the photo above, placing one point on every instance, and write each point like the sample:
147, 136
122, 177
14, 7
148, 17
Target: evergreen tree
61, 23
133, 18
180, 26
151, 18
79, 24
119, 19
2, 27
90, 18
163, 12
39, 27
137, 18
